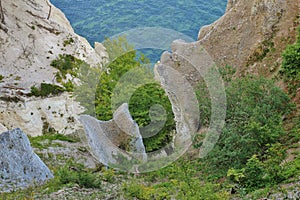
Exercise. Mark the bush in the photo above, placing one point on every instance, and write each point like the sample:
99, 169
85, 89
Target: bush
291, 65
140, 104
45, 90
67, 64
255, 107
122, 60
74, 173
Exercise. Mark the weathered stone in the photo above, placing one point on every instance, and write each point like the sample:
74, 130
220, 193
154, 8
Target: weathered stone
20, 167
113, 141
2, 128
179, 73
35, 116
32, 42
247, 30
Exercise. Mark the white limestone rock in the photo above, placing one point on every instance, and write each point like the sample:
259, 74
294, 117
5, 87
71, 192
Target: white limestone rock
20, 167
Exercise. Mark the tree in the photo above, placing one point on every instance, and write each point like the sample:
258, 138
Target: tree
255, 109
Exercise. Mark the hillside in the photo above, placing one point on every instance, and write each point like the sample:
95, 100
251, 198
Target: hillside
244, 145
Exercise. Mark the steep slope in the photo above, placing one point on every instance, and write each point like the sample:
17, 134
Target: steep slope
32, 41
33, 34
252, 34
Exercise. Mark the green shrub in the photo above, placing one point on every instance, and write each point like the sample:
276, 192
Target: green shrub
255, 107
67, 64
140, 104
74, 173
45, 90
98, 86
46, 140
291, 65
69, 86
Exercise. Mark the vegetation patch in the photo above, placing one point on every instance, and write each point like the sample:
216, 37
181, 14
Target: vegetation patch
68, 42
1, 78
46, 140
261, 52
291, 65
124, 59
46, 90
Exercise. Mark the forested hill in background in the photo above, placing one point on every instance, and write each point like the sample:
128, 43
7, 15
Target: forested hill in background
96, 19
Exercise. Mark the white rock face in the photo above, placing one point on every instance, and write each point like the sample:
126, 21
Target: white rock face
27, 48
2, 128
33, 41
36, 116
105, 139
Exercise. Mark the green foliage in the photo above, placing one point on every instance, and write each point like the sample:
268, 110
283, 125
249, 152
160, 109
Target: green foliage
179, 180
143, 192
1, 78
68, 42
122, 59
291, 170
140, 104
44, 141
227, 73
67, 64
73, 173
291, 65
69, 86
45, 90
97, 88
108, 175
85, 93
255, 107
267, 171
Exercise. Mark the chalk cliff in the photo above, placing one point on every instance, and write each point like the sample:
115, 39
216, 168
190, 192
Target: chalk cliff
33, 34
251, 35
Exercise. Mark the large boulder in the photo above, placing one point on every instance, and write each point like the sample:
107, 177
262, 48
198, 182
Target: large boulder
20, 167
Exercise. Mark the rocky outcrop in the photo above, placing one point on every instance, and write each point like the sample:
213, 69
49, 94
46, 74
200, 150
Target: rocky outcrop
37, 33
116, 142
179, 73
34, 39
252, 34
57, 114
20, 167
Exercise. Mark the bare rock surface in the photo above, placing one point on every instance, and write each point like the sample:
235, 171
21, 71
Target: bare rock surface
20, 167
34, 34
37, 116
108, 140
33, 40
251, 34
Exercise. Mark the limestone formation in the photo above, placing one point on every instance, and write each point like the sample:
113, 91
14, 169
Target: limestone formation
37, 116
179, 73
116, 141
33, 40
20, 167
2, 128
251, 34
